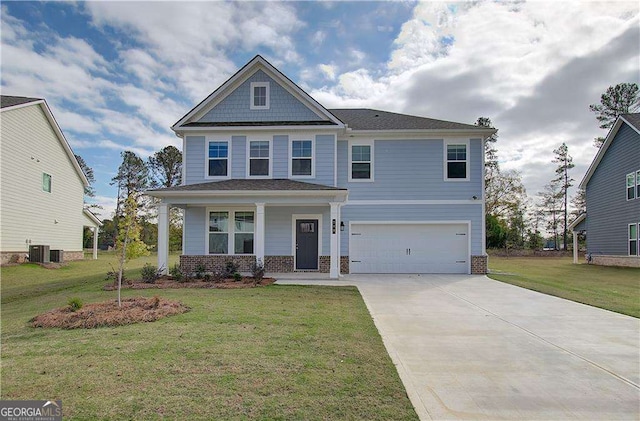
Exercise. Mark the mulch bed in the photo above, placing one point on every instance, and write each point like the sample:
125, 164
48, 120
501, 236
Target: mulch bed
166, 282
133, 310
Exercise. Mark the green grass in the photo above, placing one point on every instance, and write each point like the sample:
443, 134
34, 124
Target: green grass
611, 288
277, 352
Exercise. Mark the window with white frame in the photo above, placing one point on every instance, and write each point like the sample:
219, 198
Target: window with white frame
218, 159
634, 239
259, 96
46, 182
259, 158
457, 165
301, 158
237, 236
361, 162
638, 184
631, 186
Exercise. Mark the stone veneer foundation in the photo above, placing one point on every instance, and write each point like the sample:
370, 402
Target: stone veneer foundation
625, 261
7, 257
479, 265
272, 264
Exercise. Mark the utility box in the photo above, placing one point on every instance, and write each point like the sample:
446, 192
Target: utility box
56, 256
39, 254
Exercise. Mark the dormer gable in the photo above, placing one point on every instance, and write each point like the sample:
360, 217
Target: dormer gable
257, 95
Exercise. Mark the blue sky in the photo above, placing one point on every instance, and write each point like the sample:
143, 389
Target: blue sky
118, 74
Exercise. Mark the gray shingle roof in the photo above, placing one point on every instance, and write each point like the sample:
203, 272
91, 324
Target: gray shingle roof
368, 119
10, 101
260, 123
277, 184
633, 119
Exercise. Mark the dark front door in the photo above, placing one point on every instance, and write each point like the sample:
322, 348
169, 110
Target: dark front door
307, 244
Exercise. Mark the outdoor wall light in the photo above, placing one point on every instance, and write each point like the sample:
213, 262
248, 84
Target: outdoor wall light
341, 225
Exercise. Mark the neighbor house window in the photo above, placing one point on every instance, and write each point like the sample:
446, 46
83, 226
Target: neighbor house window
456, 162
259, 95
259, 158
243, 236
631, 186
638, 184
361, 162
231, 238
218, 232
633, 239
218, 159
301, 158
46, 182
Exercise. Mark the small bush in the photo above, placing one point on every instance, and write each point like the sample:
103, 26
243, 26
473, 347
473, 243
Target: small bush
237, 277
150, 274
112, 276
74, 304
217, 276
207, 277
199, 271
176, 272
257, 270
230, 269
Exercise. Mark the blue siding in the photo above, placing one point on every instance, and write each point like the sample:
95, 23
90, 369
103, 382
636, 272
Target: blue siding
325, 151
609, 213
194, 159
411, 169
283, 105
470, 212
280, 156
239, 157
194, 226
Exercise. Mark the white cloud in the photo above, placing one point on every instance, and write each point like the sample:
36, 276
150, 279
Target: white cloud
329, 71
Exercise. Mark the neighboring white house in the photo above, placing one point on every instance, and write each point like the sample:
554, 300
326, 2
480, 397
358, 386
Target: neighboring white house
41, 184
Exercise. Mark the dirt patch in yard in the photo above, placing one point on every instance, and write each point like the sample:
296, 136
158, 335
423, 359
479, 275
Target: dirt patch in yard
167, 282
133, 310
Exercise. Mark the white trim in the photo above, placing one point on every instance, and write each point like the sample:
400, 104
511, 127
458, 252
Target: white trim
446, 143
248, 157
637, 240
299, 138
249, 193
335, 161
483, 236
577, 221
634, 186
252, 105
439, 222
294, 218
92, 217
184, 160
413, 202
207, 140
363, 142
231, 241
426, 134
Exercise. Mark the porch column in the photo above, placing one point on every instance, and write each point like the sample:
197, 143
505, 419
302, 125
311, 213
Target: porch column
95, 242
575, 247
163, 237
334, 268
259, 235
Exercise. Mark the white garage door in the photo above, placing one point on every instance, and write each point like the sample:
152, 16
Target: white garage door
409, 248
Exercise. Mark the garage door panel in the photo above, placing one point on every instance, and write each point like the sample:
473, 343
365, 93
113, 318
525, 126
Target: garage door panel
409, 248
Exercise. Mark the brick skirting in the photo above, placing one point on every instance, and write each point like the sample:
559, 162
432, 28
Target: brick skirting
278, 264
625, 261
479, 265
272, 264
72, 255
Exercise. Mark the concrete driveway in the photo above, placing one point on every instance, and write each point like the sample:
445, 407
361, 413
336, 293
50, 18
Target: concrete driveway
468, 347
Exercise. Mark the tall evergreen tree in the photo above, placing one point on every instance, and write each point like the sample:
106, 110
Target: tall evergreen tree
491, 166
89, 191
132, 178
551, 205
166, 167
565, 163
620, 99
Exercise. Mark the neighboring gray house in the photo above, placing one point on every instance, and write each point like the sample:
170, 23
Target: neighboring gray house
272, 176
612, 186
41, 184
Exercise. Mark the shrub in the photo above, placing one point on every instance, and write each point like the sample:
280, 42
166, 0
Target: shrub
74, 304
257, 270
200, 269
150, 274
230, 268
207, 277
112, 275
237, 277
177, 273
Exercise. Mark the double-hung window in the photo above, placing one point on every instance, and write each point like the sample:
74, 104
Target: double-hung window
259, 96
631, 186
302, 158
236, 236
361, 161
259, 158
638, 184
634, 239
218, 159
456, 165
46, 182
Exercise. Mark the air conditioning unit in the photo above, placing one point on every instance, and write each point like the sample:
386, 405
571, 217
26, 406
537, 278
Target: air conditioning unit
39, 254
56, 256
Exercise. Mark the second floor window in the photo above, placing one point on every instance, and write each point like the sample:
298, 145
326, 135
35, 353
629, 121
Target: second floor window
218, 159
301, 158
631, 186
361, 168
259, 158
456, 165
46, 182
259, 96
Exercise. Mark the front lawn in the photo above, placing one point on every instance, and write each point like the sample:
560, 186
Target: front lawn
611, 288
275, 352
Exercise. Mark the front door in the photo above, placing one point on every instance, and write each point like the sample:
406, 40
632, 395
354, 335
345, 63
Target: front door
307, 244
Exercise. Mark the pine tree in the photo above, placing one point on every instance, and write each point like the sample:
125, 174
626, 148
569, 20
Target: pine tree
565, 163
620, 99
166, 167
